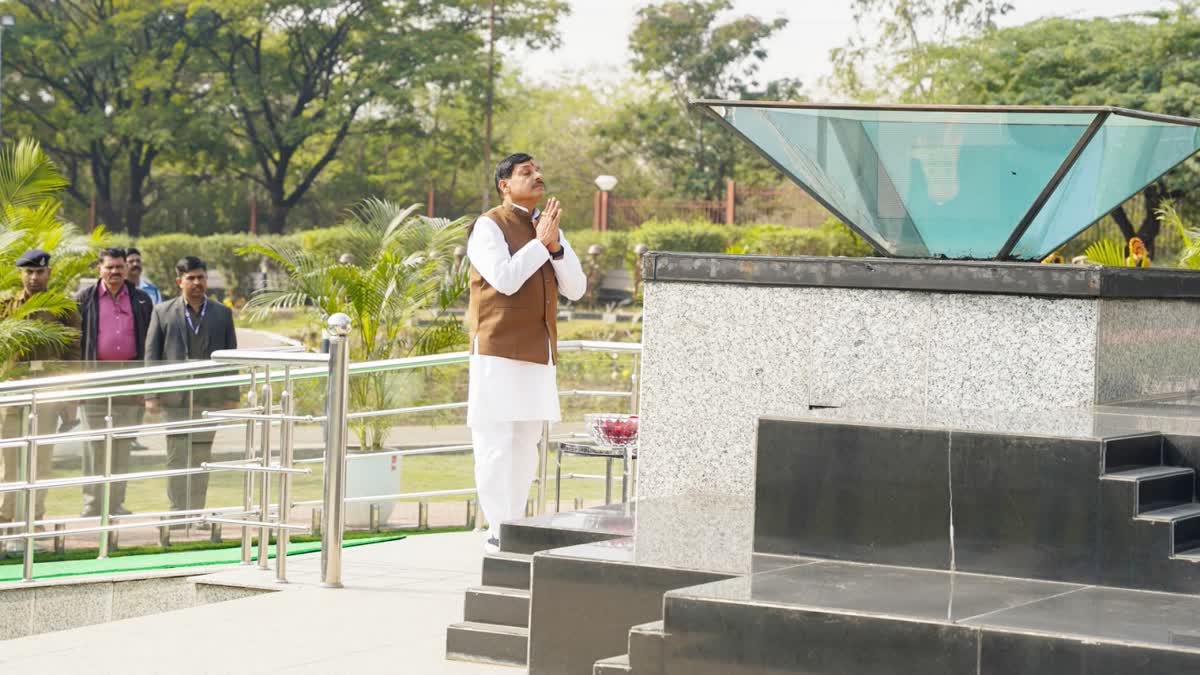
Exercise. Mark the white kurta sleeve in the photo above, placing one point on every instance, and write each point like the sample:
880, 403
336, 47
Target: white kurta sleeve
572, 282
488, 253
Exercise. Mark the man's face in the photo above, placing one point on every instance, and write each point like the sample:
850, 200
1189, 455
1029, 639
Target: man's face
526, 183
112, 271
35, 279
133, 268
193, 284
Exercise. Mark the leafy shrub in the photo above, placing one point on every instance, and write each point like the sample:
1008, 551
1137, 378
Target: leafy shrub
219, 251
618, 251
683, 237
831, 238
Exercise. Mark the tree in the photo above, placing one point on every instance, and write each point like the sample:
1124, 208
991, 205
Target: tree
1084, 62
108, 87
890, 32
686, 53
528, 22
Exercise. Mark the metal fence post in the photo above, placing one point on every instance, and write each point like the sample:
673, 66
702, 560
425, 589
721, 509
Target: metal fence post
248, 480
264, 483
287, 408
106, 486
336, 437
29, 494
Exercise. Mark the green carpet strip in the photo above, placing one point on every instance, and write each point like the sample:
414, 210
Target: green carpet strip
163, 561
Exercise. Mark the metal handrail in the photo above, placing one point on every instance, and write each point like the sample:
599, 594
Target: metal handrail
105, 380
260, 413
131, 374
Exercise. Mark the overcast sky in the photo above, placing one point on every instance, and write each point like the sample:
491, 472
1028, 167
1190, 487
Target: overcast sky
595, 35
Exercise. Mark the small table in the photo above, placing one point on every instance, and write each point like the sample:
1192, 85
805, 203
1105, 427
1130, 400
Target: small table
627, 455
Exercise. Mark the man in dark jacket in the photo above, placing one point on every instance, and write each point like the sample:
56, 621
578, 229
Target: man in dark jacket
115, 317
189, 326
35, 278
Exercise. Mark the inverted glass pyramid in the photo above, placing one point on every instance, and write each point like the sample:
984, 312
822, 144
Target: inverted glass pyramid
964, 182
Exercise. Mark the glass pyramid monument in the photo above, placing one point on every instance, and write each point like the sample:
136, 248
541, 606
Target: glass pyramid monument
963, 182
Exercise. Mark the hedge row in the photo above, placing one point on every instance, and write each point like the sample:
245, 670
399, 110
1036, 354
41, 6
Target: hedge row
219, 251
159, 253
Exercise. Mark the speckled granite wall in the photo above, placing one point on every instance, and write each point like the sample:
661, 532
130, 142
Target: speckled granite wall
1147, 348
717, 356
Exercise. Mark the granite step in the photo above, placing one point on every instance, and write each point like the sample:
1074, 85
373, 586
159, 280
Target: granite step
1158, 487
487, 643
1185, 534
1128, 452
646, 645
857, 619
507, 570
497, 605
1172, 514
615, 665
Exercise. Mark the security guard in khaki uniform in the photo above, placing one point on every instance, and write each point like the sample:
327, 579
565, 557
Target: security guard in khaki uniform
35, 278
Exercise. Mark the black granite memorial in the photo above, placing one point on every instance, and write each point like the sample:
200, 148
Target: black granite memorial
975, 518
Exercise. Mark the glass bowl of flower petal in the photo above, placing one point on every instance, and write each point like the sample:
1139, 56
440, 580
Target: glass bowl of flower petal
614, 431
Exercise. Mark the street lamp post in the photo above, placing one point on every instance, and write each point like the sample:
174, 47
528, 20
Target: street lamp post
6, 21
606, 184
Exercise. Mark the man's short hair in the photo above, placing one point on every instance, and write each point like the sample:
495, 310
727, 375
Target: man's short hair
132, 251
113, 252
505, 168
189, 263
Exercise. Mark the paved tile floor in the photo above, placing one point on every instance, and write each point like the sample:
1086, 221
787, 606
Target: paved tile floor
391, 617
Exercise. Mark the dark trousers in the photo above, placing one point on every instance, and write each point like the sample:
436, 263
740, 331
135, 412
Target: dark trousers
13, 427
187, 451
124, 413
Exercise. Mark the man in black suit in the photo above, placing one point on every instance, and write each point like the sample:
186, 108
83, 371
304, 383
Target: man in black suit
115, 316
189, 326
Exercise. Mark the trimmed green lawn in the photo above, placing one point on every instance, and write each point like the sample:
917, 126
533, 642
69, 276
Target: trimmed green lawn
418, 473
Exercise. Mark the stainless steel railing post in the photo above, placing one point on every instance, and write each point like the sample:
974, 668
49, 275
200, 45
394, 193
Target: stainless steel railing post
543, 468
336, 437
264, 482
106, 487
248, 480
30, 494
287, 407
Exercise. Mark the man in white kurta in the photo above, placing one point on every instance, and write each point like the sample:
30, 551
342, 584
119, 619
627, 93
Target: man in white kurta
519, 260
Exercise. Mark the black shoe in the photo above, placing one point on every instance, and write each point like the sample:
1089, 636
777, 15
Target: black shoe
120, 511
138, 446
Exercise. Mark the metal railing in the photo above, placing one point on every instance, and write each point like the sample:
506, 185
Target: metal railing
262, 414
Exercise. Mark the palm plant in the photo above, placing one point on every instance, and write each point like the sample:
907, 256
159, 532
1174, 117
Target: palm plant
1169, 216
1105, 252
29, 206
400, 279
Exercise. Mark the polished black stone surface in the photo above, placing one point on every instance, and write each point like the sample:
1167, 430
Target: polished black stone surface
853, 492
1003, 653
1109, 614
705, 638
923, 275
1026, 506
555, 530
1029, 506
832, 617
586, 598
880, 590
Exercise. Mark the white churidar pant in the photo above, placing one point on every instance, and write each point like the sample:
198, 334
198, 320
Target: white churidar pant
506, 458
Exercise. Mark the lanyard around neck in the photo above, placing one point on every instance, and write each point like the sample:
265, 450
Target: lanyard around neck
187, 313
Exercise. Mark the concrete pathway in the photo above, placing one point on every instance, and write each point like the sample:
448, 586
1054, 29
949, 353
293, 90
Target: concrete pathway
390, 618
